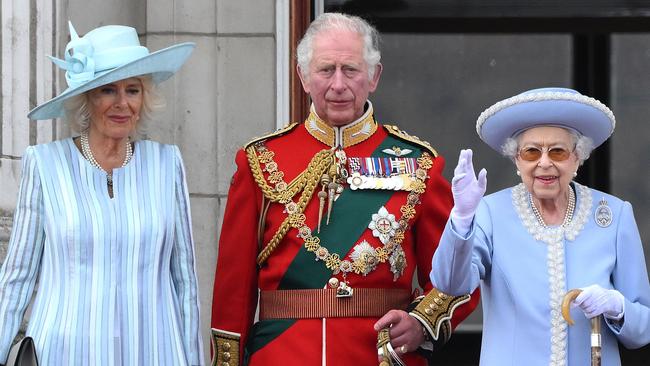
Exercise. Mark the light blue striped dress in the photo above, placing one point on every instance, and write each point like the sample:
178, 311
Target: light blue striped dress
117, 283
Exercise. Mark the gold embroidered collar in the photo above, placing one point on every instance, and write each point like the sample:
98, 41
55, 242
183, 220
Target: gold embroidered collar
344, 136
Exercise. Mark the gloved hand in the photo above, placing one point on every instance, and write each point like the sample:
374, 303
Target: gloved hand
595, 300
467, 191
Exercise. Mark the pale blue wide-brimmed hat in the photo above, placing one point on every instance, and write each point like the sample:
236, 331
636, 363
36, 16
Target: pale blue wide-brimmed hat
560, 107
107, 54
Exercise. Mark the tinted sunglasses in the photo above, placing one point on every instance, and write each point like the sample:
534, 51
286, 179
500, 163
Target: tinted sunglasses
534, 153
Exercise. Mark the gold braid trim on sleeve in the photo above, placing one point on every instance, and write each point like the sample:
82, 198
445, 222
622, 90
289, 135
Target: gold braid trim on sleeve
435, 310
226, 348
307, 181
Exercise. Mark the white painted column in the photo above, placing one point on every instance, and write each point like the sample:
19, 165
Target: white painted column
27, 80
282, 62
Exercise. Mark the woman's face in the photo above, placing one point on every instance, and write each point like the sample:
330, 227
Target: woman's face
115, 107
548, 176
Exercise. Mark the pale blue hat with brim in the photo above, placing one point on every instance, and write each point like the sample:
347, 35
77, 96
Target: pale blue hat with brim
105, 55
561, 107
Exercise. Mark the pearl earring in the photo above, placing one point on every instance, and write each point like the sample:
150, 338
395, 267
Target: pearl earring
518, 173
575, 174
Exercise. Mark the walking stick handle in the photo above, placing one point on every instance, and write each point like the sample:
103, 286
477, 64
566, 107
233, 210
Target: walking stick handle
595, 326
566, 302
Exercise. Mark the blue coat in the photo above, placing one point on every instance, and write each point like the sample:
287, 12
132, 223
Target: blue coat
117, 284
523, 278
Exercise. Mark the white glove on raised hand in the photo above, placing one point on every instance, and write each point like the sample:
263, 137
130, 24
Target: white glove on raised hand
467, 191
595, 300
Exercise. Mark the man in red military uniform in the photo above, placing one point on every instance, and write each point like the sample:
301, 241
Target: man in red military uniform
326, 224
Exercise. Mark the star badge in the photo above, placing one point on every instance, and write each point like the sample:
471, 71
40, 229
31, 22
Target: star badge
383, 225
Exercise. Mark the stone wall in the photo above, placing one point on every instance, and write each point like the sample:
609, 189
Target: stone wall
220, 99
6, 221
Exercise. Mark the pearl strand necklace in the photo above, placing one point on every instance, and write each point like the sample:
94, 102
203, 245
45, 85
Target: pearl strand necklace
567, 216
88, 154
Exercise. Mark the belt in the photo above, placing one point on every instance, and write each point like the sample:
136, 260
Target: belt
323, 303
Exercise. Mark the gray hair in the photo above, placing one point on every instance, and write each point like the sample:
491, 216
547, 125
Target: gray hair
77, 111
339, 21
583, 145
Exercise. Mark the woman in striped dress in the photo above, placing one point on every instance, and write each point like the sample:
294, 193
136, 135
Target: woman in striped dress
103, 222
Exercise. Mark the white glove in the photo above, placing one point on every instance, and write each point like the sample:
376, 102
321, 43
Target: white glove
467, 191
595, 300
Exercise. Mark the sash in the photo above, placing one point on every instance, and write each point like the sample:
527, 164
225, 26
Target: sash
350, 217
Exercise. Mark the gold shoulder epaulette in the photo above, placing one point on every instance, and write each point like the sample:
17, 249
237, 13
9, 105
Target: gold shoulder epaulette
276, 133
395, 131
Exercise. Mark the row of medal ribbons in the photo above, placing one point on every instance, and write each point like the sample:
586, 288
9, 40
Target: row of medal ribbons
390, 173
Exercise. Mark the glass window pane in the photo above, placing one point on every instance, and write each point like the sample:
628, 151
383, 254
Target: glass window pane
490, 8
630, 151
435, 86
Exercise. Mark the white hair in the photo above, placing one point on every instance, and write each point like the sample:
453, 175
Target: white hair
583, 145
338, 21
77, 111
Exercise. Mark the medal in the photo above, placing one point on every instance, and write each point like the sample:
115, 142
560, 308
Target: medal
389, 173
383, 225
344, 290
365, 253
397, 182
355, 181
397, 262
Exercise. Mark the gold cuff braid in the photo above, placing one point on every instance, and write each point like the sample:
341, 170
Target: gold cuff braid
226, 348
435, 310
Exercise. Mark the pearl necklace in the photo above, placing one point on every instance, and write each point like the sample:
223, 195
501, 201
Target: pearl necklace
88, 154
568, 215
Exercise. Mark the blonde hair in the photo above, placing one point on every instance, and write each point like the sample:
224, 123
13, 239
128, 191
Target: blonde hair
77, 110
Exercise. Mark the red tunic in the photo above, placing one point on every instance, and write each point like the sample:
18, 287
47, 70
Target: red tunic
331, 341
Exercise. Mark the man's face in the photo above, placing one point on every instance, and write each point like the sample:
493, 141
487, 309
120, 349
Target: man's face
337, 79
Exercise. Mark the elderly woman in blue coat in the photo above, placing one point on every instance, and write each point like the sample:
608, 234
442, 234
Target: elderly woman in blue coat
103, 221
527, 245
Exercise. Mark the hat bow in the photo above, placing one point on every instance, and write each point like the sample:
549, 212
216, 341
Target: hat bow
79, 62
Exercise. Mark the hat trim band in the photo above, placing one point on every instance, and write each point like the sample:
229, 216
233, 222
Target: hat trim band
540, 97
113, 58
